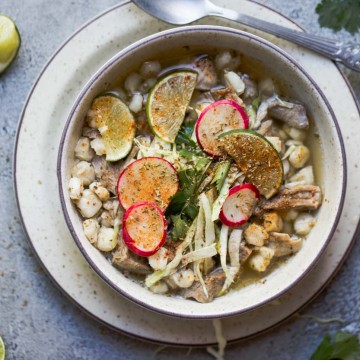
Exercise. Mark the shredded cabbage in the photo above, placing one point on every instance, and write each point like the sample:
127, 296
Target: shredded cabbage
199, 242
158, 148
234, 255
232, 272
252, 116
233, 175
209, 225
321, 320
211, 195
234, 247
224, 232
159, 274
198, 273
220, 353
209, 230
199, 254
220, 200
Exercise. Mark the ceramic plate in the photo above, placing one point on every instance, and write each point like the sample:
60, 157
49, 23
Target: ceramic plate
35, 169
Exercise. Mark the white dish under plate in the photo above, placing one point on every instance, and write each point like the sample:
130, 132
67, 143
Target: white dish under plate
42, 123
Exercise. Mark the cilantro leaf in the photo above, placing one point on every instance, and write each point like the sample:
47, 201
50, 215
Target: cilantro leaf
180, 227
185, 202
184, 138
187, 154
324, 350
338, 14
178, 201
202, 165
221, 170
344, 347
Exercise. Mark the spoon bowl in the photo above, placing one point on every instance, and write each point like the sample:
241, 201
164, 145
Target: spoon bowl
176, 12
182, 12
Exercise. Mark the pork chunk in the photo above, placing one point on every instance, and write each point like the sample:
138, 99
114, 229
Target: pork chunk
283, 244
213, 282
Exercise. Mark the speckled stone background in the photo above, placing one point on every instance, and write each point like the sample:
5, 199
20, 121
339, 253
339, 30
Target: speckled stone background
36, 320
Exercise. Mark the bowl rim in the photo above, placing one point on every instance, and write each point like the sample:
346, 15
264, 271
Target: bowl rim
110, 63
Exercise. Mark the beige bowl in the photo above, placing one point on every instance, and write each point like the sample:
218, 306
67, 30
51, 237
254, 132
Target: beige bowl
329, 161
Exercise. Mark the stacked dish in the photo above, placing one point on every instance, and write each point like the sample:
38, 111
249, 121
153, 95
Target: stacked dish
227, 110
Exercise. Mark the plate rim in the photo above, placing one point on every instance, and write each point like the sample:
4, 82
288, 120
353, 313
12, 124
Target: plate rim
63, 291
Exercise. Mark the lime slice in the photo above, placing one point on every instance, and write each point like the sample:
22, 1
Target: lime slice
257, 158
2, 349
9, 42
167, 103
116, 125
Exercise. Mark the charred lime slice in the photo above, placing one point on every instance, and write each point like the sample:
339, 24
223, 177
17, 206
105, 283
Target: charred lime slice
9, 42
116, 125
167, 103
257, 158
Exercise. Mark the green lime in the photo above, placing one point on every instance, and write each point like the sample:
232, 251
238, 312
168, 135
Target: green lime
9, 42
167, 103
116, 125
257, 158
2, 349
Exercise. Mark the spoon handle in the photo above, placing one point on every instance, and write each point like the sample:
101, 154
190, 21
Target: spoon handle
348, 54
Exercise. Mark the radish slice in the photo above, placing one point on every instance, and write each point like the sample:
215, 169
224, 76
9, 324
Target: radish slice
239, 205
150, 179
144, 228
220, 116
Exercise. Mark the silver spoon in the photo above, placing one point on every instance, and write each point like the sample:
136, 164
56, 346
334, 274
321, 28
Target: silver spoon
181, 12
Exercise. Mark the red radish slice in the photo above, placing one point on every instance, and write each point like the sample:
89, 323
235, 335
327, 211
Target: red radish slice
144, 228
239, 205
223, 115
150, 179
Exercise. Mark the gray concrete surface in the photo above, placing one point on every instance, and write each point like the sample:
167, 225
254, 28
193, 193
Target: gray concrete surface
36, 321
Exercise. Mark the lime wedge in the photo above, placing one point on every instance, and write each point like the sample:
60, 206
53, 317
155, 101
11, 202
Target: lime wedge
116, 125
2, 349
167, 103
257, 158
9, 42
